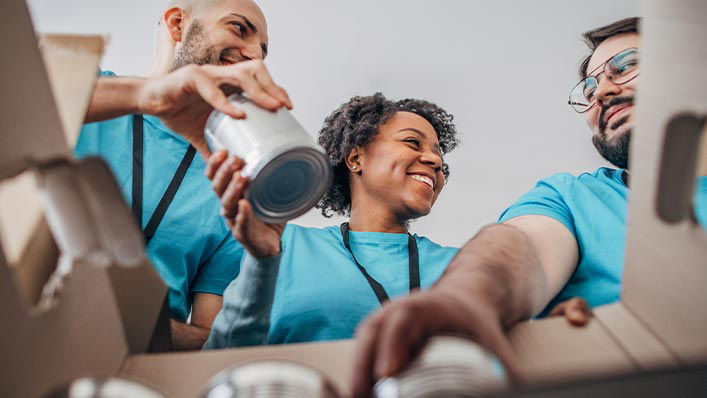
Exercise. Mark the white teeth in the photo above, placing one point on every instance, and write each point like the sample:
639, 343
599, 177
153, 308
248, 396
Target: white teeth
425, 179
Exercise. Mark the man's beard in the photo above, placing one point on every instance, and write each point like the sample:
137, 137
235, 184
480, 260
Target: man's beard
616, 149
196, 49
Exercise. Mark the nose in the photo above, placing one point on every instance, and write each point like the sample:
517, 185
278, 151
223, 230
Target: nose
432, 159
252, 51
606, 89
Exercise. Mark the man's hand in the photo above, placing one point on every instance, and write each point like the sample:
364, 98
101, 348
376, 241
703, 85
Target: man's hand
392, 337
576, 310
184, 98
260, 239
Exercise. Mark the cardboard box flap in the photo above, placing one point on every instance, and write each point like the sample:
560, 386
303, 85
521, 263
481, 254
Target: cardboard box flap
81, 334
72, 62
187, 374
20, 212
28, 133
91, 221
553, 351
645, 350
666, 250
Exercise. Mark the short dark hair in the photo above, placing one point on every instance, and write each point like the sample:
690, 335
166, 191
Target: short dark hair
595, 37
356, 123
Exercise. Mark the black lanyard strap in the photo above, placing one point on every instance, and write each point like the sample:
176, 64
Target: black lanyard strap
413, 263
172, 188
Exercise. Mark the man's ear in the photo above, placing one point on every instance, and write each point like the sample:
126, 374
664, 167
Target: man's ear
175, 21
354, 160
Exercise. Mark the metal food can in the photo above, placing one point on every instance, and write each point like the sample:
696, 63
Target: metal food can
270, 379
448, 366
288, 171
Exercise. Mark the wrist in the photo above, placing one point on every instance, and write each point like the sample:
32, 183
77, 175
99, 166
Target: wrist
267, 253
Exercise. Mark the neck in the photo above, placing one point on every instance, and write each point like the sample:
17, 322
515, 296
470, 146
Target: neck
375, 219
163, 63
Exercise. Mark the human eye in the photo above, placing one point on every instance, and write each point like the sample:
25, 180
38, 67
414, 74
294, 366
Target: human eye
624, 63
589, 90
413, 141
240, 28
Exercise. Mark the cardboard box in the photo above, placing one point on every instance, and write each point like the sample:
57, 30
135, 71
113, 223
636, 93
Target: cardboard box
110, 315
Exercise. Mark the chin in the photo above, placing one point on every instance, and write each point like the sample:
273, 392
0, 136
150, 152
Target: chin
417, 211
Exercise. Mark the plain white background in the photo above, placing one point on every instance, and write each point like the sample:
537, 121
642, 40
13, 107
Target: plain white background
503, 68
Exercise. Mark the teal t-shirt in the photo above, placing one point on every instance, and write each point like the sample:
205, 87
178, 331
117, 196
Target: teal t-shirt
320, 294
192, 249
593, 206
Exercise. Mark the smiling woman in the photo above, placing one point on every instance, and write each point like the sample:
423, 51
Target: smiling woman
311, 284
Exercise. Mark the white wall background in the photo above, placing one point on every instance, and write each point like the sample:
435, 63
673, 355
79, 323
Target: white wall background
503, 68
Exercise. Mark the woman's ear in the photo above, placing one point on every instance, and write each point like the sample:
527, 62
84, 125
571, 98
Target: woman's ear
175, 21
353, 160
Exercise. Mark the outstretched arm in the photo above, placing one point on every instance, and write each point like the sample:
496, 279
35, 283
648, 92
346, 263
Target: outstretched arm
505, 274
183, 99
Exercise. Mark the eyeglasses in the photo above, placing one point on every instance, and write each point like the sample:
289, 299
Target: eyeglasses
620, 69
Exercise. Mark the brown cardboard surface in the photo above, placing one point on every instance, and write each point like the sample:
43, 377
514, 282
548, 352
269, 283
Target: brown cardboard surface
185, 375
30, 124
644, 348
551, 350
20, 212
72, 65
666, 262
677, 383
109, 304
82, 334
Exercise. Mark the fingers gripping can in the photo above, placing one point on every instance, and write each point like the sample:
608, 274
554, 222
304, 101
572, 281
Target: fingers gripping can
289, 172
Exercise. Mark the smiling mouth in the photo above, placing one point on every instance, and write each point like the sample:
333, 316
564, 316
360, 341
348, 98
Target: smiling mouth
423, 179
616, 111
226, 62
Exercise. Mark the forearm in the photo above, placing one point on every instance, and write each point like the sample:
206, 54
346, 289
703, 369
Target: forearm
114, 97
187, 337
245, 317
498, 268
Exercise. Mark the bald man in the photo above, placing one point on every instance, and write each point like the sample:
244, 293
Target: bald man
150, 132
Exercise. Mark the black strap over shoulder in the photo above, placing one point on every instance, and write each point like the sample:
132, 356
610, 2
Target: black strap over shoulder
413, 263
172, 188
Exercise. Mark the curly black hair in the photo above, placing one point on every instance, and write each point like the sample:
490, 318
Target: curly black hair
356, 123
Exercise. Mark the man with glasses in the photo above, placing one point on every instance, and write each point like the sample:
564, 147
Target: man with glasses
562, 239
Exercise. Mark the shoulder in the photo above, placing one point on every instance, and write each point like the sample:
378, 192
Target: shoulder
430, 245
562, 181
294, 232
106, 73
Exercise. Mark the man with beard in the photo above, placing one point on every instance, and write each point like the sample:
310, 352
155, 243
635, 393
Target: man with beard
149, 130
564, 238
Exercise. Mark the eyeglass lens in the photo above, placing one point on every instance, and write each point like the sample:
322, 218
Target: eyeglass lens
621, 68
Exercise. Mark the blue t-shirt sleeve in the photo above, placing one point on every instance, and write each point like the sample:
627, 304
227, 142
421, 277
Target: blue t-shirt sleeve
220, 269
106, 73
545, 199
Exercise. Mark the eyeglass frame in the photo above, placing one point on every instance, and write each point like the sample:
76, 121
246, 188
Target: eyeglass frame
603, 65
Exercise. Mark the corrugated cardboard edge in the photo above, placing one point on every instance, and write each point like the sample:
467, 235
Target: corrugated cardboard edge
29, 121
72, 63
551, 351
187, 374
646, 351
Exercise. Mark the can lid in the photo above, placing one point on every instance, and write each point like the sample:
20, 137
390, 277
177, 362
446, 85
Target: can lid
290, 184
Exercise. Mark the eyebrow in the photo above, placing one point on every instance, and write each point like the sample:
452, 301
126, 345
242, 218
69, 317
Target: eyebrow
422, 135
252, 27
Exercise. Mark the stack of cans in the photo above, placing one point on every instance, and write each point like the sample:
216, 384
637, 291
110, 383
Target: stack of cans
447, 367
270, 379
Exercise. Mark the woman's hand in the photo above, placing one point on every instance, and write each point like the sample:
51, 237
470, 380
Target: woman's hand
260, 239
576, 310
